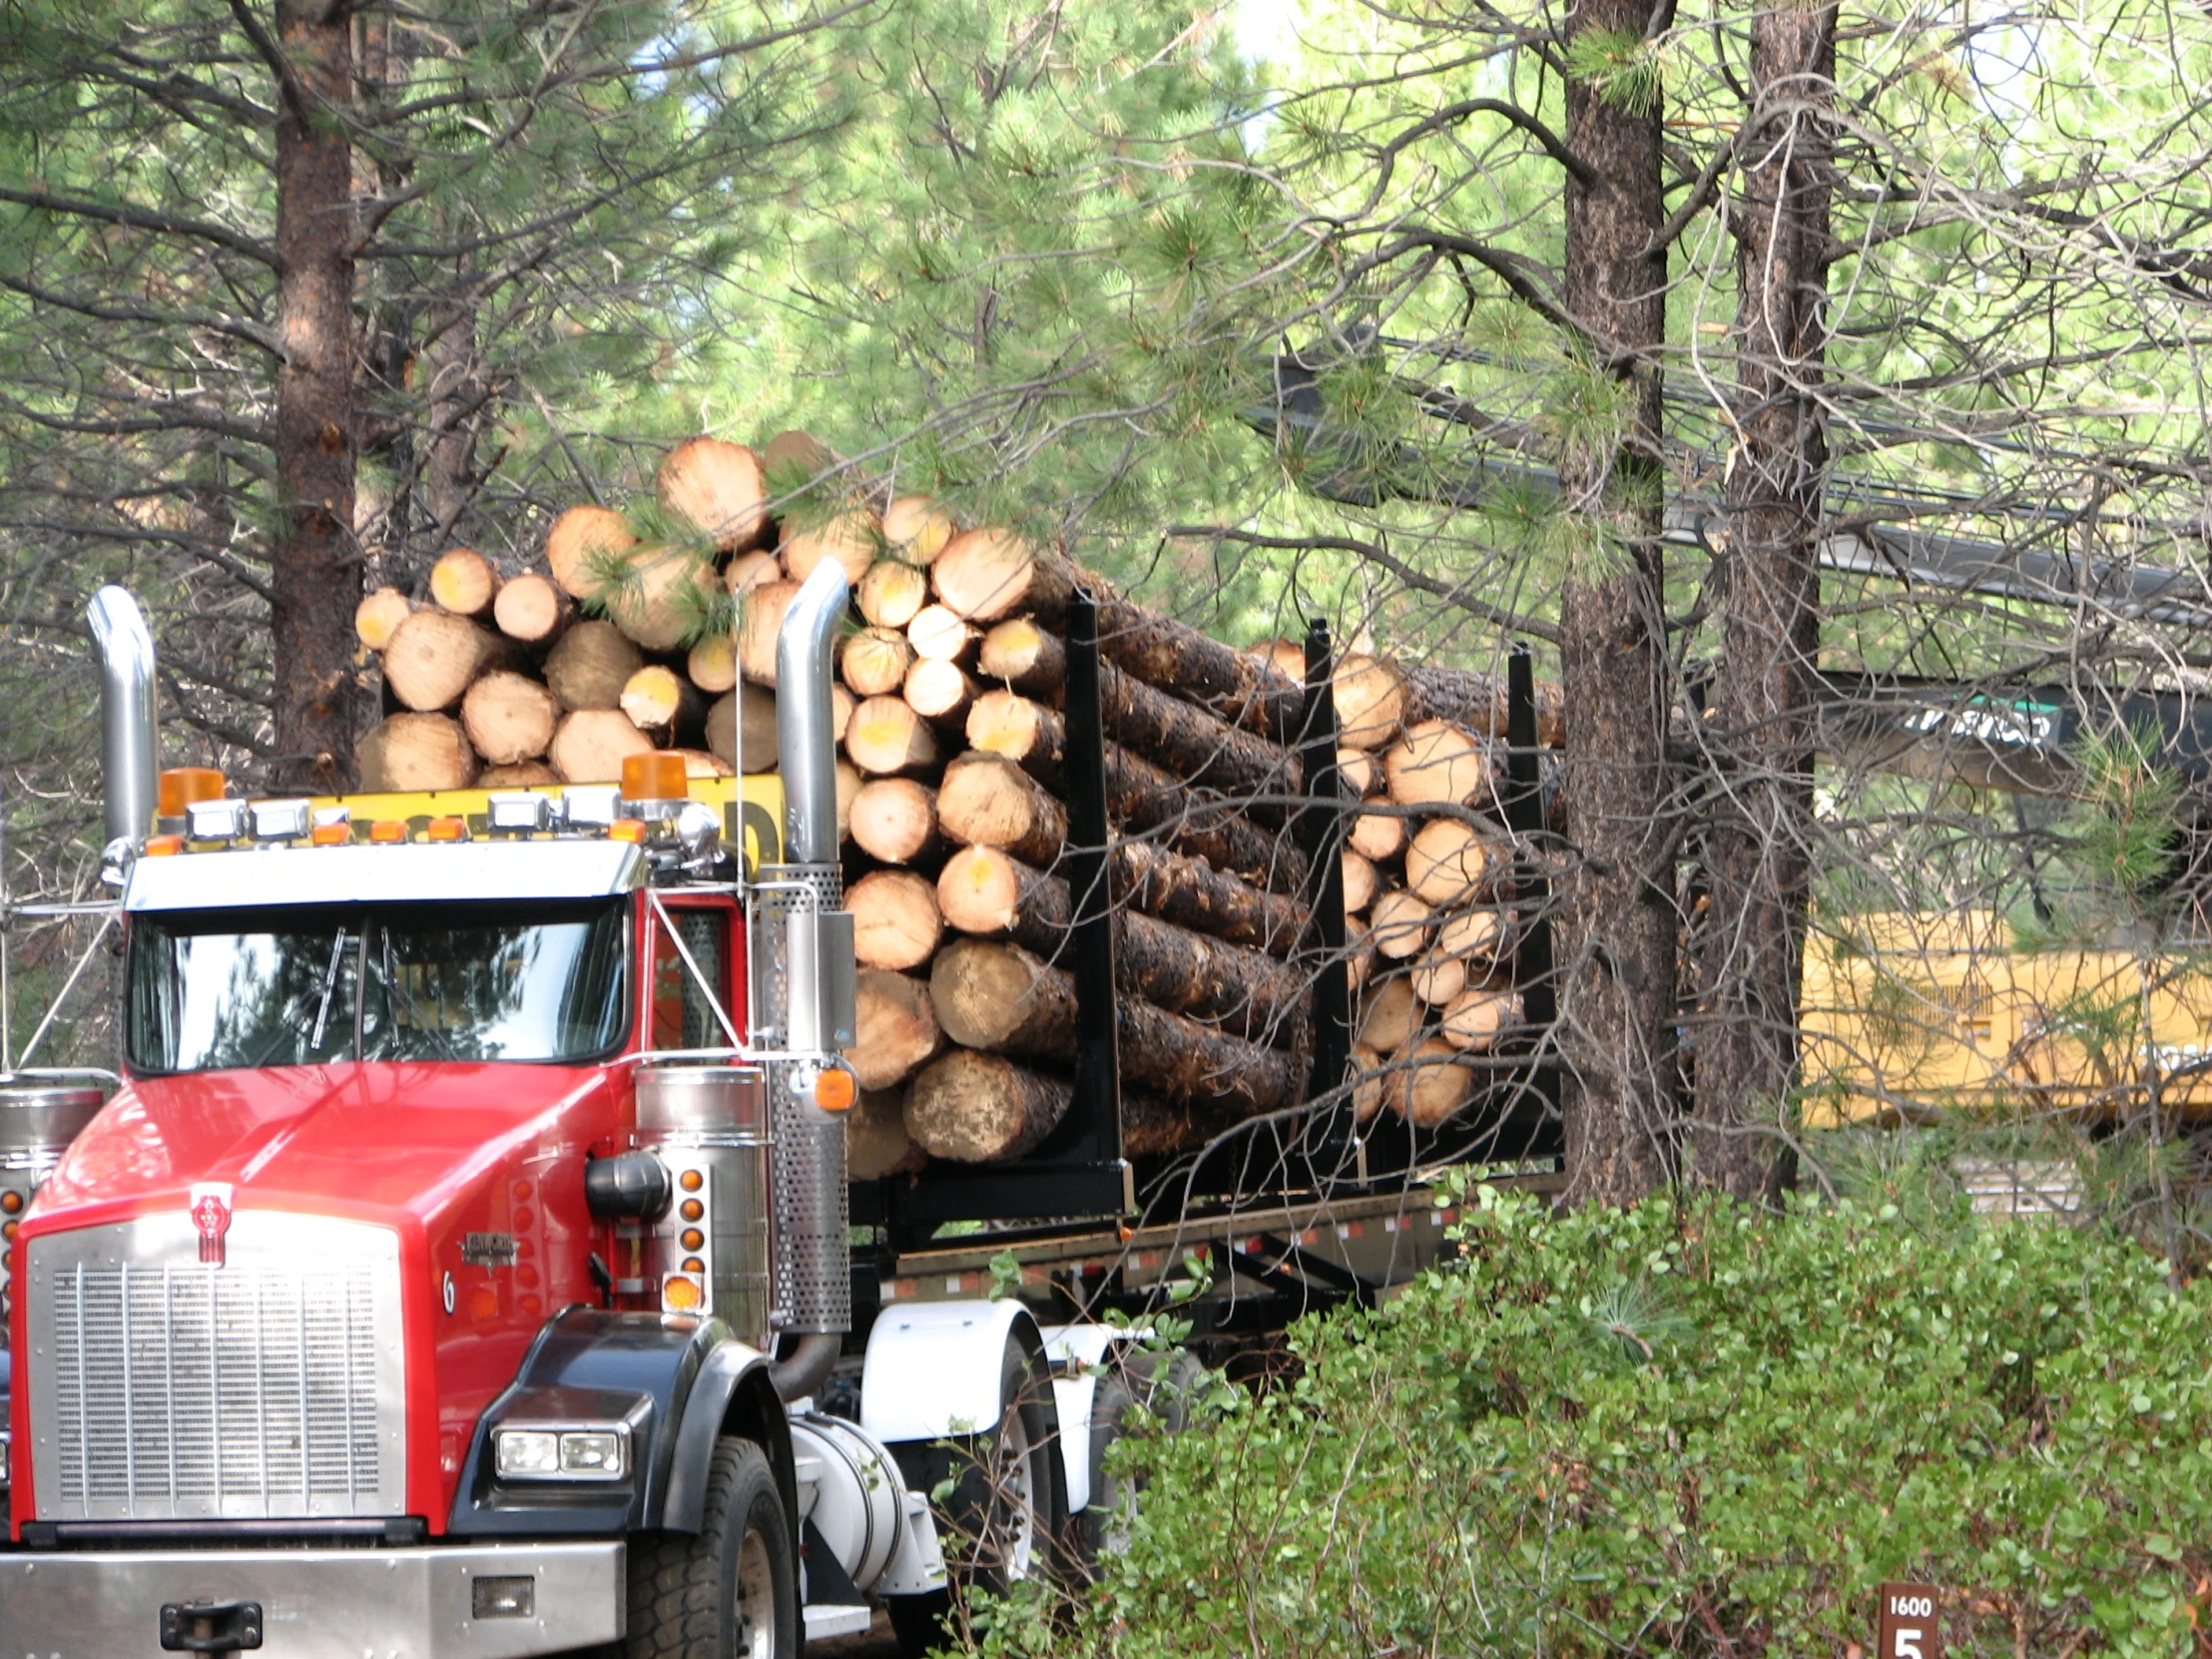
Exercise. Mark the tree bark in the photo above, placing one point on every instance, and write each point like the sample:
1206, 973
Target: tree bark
1617, 947
1752, 942
315, 574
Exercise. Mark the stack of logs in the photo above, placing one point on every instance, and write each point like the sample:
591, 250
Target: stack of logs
952, 799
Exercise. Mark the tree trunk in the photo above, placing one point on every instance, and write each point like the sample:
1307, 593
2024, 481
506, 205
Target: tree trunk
1759, 853
316, 571
1616, 939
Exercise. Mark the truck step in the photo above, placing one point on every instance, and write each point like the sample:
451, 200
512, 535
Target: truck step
829, 1619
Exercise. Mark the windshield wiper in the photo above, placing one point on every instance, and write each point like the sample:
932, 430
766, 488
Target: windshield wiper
330, 987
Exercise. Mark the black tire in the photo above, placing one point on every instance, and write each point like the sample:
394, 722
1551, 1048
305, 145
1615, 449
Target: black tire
1007, 1518
705, 1595
1101, 1524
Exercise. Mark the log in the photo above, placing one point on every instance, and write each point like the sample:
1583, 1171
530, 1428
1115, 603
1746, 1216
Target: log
509, 717
983, 575
524, 774
1022, 729
1358, 772
711, 664
760, 619
463, 581
661, 597
876, 1144
591, 744
987, 895
531, 609
895, 819
1286, 657
986, 801
434, 656
1386, 1016
1401, 924
848, 791
853, 536
376, 616
1478, 1018
1003, 998
982, 1108
1144, 796
892, 593
1359, 954
895, 1027
1192, 894
1438, 763
1367, 1085
662, 703
749, 570
939, 634
762, 750
416, 751
585, 546
939, 693
1429, 1085
698, 764
1480, 702
895, 918
792, 459
841, 705
885, 737
874, 662
1450, 863
716, 487
916, 529
1478, 937
1195, 746
1360, 881
1377, 835
1025, 657
1370, 701
1438, 978
591, 665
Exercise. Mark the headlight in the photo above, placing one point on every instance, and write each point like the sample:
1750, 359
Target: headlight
596, 1452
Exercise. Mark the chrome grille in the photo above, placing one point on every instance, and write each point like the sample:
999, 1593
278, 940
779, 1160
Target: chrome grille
263, 1389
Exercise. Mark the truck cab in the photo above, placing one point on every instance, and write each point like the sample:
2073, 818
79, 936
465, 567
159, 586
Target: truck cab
460, 1265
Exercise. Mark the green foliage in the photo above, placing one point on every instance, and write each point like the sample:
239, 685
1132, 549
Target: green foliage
1620, 64
1698, 1427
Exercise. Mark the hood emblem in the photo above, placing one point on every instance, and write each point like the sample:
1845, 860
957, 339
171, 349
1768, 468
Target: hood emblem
211, 1214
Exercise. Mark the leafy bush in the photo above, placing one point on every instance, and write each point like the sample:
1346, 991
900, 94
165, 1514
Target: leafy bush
1693, 1427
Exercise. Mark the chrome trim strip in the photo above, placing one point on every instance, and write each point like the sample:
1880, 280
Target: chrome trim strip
317, 1603
407, 871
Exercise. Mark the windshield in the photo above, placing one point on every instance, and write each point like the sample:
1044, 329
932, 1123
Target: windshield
214, 990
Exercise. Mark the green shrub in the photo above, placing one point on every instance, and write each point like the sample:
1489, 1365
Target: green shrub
1697, 1428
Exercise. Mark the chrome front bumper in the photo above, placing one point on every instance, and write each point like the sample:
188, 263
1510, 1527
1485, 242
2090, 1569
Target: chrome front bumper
316, 1603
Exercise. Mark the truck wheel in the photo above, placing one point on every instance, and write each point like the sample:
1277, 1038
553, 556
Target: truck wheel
1009, 1503
729, 1591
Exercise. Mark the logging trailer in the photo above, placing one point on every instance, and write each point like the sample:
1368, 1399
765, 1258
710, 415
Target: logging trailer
463, 1261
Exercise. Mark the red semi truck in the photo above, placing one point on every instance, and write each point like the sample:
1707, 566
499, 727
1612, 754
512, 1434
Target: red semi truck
464, 1262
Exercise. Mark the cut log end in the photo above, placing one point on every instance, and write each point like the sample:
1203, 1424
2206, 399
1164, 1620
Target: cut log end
463, 582
591, 665
717, 487
378, 615
895, 819
886, 737
530, 609
982, 1108
916, 528
895, 924
416, 751
592, 744
509, 717
896, 1028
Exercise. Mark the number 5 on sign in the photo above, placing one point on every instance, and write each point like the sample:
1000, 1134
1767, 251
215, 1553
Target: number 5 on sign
1906, 1628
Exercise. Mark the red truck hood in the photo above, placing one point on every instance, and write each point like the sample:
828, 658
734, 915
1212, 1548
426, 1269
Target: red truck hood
360, 1137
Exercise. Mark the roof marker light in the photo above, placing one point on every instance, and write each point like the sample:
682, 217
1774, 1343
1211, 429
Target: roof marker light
655, 774
386, 830
447, 829
162, 847
625, 830
180, 787
332, 835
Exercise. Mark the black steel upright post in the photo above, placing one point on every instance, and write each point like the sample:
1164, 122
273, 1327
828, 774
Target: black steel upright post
1524, 816
1090, 960
1321, 832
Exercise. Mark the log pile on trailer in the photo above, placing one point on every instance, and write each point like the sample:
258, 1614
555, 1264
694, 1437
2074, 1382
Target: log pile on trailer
657, 630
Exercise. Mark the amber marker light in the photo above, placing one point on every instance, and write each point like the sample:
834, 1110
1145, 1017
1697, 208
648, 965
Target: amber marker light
625, 830
332, 835
447, 829
386, 830
835, 1090
681, 1294
691, 1180
163, 846
657, 774
179, 786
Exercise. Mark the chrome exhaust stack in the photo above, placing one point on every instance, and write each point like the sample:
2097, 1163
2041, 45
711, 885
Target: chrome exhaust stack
803, 973
128, 737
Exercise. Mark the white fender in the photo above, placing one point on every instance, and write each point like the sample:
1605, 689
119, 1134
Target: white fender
932, 1370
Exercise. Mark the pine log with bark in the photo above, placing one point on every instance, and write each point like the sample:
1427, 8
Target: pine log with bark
895, 924
886, 738
531, 609
1025, 657
1146, 798
663, 704
1429, 1085
1191, 892
895, 820
852, 536
590, 746
985, 801
975, 1108
1024, 731
939, 635
1400, 924
1615, 932
416, 751
1379, 834
591, 665
711, 664
1198, 747
659, 595
1478, 700
895, 1026
892, 593
463, 581
1450, 863
876, 1144
509, 717
940, 693
1438, 763
874, 661
434, 656
761, 611
524, 774
583, 545
916, 529
717, 488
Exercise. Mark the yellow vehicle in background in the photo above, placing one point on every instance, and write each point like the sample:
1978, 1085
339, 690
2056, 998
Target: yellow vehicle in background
1908, 1015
